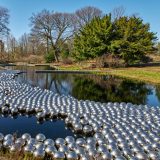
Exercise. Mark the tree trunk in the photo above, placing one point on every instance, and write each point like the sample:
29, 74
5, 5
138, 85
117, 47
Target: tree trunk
47, 45
55, 51
56, 56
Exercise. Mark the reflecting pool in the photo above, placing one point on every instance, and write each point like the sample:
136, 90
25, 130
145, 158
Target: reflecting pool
92, 87
22, 124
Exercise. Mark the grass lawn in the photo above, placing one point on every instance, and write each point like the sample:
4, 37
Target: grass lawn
147, 74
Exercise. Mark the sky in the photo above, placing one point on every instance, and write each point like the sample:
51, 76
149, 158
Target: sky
21, 10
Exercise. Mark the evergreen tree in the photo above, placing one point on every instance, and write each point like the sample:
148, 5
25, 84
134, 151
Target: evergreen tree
158, 48
127, 37
133, 39
94, 39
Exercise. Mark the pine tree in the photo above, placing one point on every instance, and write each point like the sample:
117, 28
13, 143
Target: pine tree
94, 39
133, 39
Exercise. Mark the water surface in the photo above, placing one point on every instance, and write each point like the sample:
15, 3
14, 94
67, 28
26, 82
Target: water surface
82, 87
22, 124
92, 87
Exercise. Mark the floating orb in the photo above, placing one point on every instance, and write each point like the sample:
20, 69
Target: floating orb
39, 153
40, 137
40, 146
133, 158
77, 127
59, 155
8, 137
26, 136
72, 146
15, 147
80, 142
20, 141
80, 151
84, 157
69, 139
63, 148
92, 152
32, 141
153, 155
50, 150
8, 143
102, 148
29, 148
49, 142
120, 158
141, 156
59, 142
72, 155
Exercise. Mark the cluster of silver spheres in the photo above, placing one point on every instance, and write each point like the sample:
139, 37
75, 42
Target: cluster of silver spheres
117, 131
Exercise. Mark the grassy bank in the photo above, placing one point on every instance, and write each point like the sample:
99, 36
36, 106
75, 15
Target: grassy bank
146, 74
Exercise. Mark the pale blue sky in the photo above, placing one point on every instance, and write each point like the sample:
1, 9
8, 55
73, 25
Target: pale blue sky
21, 10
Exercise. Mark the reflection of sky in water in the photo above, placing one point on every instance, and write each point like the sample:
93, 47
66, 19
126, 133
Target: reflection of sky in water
52, 130
152, 98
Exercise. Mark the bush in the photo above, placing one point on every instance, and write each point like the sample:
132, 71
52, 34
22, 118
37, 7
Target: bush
108, 60
67, 61
32, 59
49, 57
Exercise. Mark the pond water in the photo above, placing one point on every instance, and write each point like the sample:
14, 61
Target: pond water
92, 87
80, 86
22, 124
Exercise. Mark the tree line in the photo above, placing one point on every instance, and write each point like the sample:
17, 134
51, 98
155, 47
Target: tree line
85, 34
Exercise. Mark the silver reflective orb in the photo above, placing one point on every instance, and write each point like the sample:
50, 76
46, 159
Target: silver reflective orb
60, 142
63, 148
50, 150
26, 136
8, 143
141, 156
8, 137
69, 139
87, 129
80, 142
40, 137
59, 155
49, 142
72, 155
20, 141
15, 147
29, 148
39, 153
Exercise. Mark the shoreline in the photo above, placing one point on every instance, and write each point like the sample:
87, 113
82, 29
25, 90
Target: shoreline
149, 74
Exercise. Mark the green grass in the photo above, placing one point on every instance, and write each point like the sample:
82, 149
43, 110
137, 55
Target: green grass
146, 74
139, 74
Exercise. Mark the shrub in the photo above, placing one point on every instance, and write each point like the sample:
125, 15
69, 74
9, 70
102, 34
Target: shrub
108, 60
67, 61
49, 57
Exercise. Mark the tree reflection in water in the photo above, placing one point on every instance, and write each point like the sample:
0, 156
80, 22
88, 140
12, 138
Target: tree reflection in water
92, 87
109, 88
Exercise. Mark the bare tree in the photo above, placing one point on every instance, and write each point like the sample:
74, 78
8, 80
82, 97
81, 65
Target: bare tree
86, 14
4, 21
24, 44
118, 12
36, 46
53, 28
11, 45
